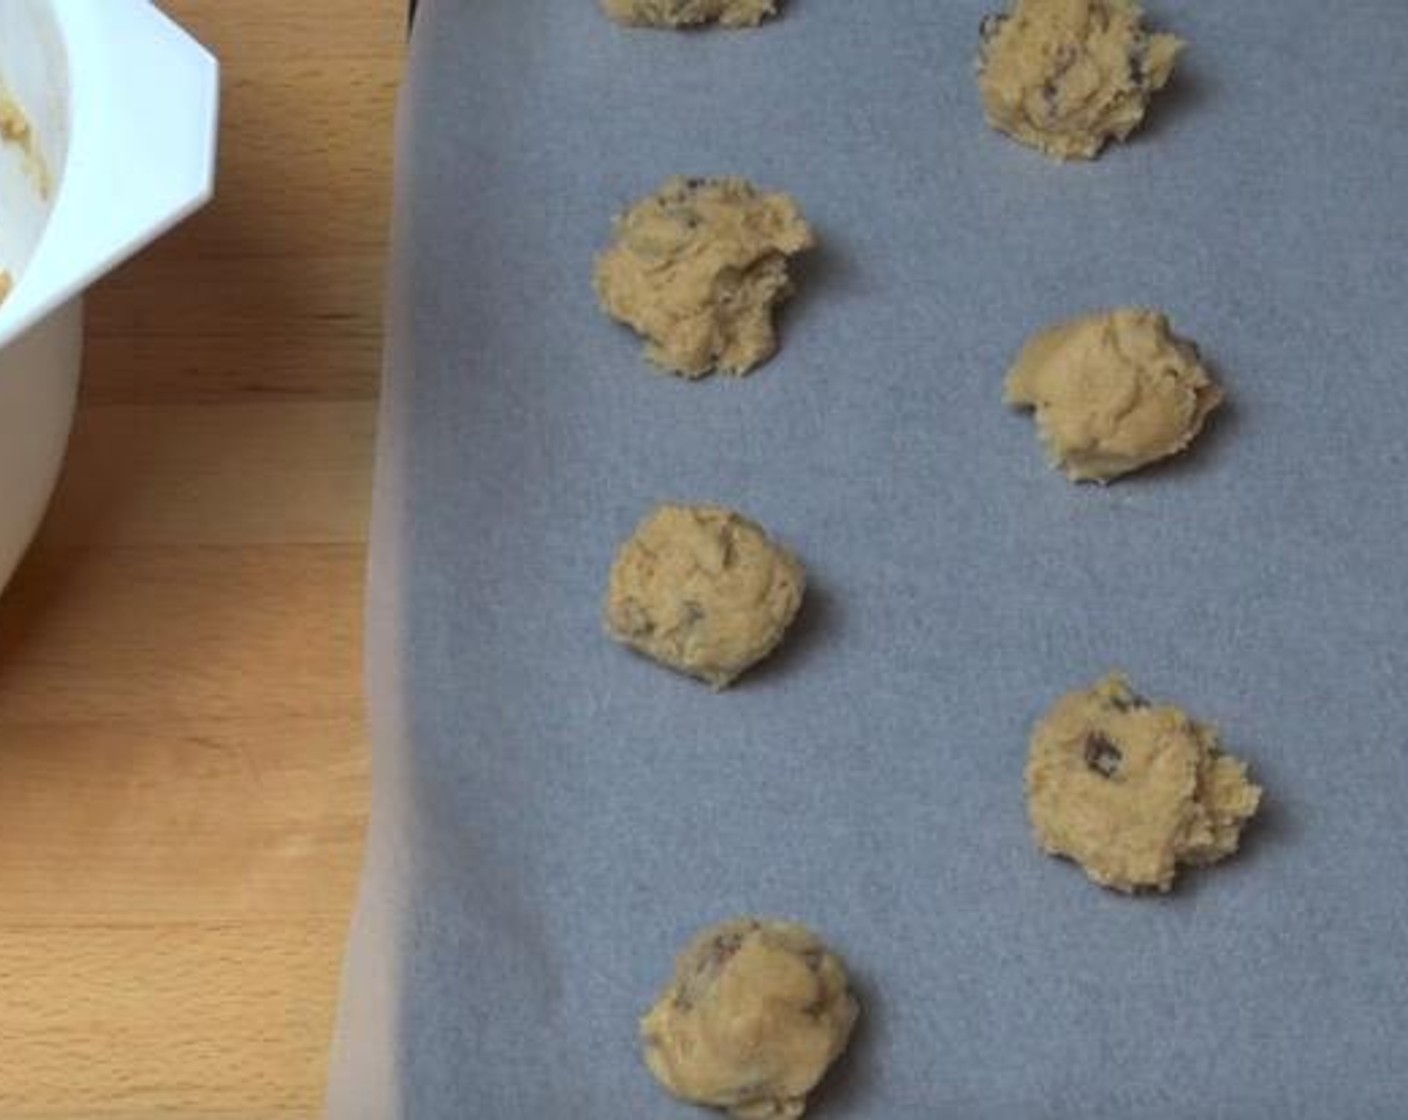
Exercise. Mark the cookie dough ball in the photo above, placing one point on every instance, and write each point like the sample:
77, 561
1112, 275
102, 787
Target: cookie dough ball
1065, 76
697, 270
690, 13
1132, 790
1113, 392
756, 1013
703, 590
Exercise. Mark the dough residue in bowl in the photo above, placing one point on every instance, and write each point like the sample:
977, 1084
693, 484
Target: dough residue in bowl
16, 129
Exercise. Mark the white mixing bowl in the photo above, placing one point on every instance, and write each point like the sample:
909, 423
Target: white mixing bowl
123, 107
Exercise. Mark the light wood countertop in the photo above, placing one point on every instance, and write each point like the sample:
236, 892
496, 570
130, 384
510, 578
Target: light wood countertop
183, 768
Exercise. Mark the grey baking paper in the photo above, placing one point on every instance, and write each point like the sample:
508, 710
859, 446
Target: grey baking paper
554, 817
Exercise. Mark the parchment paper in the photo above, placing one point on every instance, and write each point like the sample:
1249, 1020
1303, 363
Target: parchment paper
554, 817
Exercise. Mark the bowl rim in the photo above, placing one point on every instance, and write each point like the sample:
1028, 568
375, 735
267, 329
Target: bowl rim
143, 130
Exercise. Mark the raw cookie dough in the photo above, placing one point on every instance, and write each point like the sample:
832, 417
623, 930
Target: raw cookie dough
703, 590
697, 270
690, 13
1065, 76
1113, 392
756, 1013
1132, 790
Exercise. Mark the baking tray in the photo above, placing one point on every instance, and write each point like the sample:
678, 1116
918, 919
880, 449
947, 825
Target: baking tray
554, 817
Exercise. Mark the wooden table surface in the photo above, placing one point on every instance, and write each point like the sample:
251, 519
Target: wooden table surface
183, 769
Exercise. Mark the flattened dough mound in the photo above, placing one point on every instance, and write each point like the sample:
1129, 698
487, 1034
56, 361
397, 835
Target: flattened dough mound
1066, 76
1132, 790
703, 590
697, 269
756, 1013
690, 13
1113, 392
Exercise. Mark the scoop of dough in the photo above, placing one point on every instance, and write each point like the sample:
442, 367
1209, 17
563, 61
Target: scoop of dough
703, 590
1066, 76
757, 1012
1132, 790
1113, 392
697, 270
690, 13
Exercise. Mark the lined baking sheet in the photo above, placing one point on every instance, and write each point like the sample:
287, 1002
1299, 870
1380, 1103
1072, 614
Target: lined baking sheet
555, 817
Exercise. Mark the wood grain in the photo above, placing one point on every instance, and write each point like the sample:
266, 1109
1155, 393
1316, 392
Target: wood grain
182, 758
